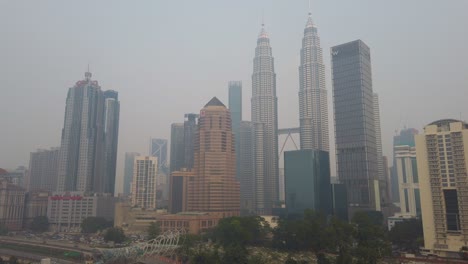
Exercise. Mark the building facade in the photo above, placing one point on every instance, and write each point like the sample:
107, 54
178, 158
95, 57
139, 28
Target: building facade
128, 171
407, 171
307, 181
235, 106
384, 199
355, 135
214, 188
404, 138
11, 204
313, 106
66, 211
144, 185
35, 205
179, 190
246, 167
89, 139
43, 169
158, 149
177, 156
442, 161
265, 118
111, 139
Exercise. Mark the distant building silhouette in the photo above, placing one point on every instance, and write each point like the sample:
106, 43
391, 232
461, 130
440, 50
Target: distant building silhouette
128, 171
43, 169
235, 107
177, 147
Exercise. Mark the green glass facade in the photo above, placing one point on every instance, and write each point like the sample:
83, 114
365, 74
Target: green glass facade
307, 181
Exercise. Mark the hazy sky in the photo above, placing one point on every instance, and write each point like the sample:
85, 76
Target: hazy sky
167, 58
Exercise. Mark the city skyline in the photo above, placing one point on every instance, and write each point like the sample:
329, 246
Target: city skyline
390, 88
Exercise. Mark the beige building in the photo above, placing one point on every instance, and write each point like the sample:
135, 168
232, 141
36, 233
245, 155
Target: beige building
137, 220
144, 184
442, 161
11, 204
214, 188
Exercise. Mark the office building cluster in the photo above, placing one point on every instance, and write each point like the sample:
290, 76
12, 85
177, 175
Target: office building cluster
221, 165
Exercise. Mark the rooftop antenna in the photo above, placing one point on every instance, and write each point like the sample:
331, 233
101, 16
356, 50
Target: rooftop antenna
263, 17
88, 74
310, 13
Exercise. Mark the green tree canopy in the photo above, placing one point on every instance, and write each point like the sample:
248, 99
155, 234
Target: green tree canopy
115, 234
40, 224
407, 235
94, 224
153, 230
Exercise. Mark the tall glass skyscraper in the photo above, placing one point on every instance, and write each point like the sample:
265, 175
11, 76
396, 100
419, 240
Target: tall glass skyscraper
313, 107
177, 147
356, 148
190, 130
265, 124
158, 148
235, 107
89, 139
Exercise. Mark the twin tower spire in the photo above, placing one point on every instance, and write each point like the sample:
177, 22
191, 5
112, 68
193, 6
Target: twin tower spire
312, 104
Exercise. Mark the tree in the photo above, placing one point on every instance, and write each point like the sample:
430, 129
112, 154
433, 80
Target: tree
372, 244
40, 224
235, 254
407, 235
153, 230
115, 234
94, 224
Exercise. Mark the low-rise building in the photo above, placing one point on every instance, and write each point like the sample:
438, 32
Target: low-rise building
66, 211
36, 205
137, 220
11, 204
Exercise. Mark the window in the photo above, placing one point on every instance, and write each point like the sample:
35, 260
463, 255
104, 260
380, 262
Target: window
451, 210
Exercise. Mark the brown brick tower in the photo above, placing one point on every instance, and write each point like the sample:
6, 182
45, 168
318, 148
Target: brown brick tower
214, 188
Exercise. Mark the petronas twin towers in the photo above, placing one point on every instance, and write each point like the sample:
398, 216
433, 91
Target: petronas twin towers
313, 112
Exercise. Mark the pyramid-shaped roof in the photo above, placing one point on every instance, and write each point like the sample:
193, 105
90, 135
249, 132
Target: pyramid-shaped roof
214, 102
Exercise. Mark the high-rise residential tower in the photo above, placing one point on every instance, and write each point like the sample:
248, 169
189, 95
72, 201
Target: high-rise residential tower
43, 169
128, 171
235, 106
111, 138
407, 171
442, 160
214, 188
265, 124
89, 139
313, 106
177, 147
158, 149
144, 182
190, 128
356, 148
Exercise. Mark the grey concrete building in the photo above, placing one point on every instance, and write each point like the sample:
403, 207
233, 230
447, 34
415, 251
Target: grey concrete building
265, 123
356, 148
313, 106
128, 171
235, 107
190, 129
246, 168
43, 169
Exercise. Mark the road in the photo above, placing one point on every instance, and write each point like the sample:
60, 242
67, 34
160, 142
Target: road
30, 256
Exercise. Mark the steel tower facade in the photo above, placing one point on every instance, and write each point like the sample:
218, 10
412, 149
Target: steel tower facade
265, 122
313, 107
